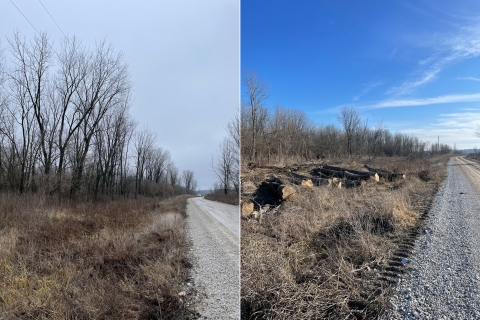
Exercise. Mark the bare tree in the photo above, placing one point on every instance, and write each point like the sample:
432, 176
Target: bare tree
143, 150
255, 112
110, 140
188, 181
350, 120
224, 163
72, 126
66, 117
477, 132
27, 78
173, 176
106, 86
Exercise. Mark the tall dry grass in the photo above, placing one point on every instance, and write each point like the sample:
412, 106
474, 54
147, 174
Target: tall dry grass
115, 260
319, 255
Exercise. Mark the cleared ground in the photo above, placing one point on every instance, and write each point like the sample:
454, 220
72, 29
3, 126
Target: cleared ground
214, 231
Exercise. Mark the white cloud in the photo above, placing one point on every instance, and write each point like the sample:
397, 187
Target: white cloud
393, 103
409, 86
366, 89
447, 49
452, 128
393, 52
468, 78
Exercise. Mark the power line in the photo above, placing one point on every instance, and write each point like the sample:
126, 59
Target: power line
51, 48
25, 17
52, 19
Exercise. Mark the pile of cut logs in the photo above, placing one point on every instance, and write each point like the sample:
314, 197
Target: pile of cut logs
329, 175
322, 176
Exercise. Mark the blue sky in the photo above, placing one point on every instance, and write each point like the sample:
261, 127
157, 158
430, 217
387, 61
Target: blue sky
183, 58
415, 65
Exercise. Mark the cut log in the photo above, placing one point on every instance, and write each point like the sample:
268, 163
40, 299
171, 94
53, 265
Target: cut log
284, 191
307, 183
321, 181
316, 172
297, 178
387, 175
332, 173
358, 172
247, 208
280, 190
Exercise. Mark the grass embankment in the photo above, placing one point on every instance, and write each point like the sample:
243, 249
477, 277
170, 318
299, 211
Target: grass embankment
319, 256
114, 260
225, 198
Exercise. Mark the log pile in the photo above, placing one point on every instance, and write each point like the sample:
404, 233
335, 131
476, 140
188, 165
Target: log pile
275, 190
299, 179
346, 177
343, 173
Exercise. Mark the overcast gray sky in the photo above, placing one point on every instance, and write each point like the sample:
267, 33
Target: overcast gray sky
183, 56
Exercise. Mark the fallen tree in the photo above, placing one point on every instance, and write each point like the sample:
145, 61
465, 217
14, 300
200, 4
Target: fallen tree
374, 175
304, 180
344, 174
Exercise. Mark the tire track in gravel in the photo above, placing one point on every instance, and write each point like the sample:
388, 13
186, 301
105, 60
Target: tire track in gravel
444, 273
215, 254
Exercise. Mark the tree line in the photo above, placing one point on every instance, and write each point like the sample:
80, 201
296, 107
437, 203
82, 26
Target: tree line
65, 126
288, 135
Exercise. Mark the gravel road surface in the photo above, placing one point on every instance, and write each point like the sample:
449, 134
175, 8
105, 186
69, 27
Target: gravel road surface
444, 271
214, 230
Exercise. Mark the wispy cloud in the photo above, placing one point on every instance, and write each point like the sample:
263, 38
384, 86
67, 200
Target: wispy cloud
409, 86
462, 44
452, 128
393, 52
468, 78
393, 103
366, 89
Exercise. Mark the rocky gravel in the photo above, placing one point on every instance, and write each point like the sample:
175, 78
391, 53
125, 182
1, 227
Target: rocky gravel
215, 256
443, 275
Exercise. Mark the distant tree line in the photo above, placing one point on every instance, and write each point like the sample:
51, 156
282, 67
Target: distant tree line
65, 127
288, 135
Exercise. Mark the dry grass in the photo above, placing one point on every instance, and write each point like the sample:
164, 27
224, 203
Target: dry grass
116, 260
319, 255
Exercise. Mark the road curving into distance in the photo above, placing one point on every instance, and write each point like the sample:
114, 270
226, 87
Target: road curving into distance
214, 229
444, 273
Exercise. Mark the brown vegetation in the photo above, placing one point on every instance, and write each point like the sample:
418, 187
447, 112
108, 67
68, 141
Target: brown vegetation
327, 253
115, 260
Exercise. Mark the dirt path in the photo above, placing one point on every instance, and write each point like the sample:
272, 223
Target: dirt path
214, 230
444, 273
470, 169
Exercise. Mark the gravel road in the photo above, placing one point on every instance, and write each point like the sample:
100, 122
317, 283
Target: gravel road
444, 271
214, 230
